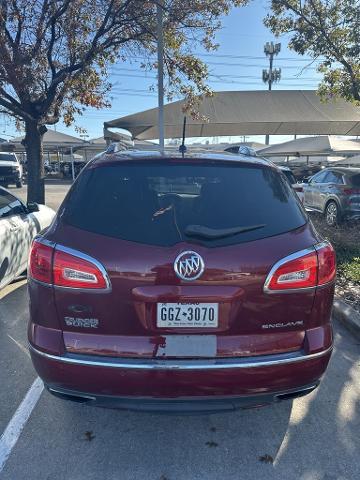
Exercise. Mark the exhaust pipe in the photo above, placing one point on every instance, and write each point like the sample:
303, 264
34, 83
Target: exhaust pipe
71, 396
297, 393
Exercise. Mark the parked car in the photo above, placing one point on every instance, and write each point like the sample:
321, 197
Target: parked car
166, 284
298, 187
335, 192
10, 169
19, 223
241, 150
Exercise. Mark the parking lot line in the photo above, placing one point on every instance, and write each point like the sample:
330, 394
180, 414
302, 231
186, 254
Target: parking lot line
15, 426
21, 346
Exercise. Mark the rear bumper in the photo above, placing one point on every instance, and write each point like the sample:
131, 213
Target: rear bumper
182, 405
181, 385
9, 178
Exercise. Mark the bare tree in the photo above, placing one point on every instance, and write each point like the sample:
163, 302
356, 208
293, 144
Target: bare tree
54, 56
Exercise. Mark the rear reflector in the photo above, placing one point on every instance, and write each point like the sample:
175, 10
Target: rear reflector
305, 269
55, 266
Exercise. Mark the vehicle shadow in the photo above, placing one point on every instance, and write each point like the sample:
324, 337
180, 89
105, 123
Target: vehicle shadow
323, 441
160, 446
315, 437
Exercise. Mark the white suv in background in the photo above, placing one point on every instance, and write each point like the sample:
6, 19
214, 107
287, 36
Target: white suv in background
10, 169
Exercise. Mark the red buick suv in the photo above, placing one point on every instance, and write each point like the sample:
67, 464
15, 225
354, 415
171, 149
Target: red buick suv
180, 284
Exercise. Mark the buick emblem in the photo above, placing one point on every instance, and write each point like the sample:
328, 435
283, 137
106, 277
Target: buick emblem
189, 265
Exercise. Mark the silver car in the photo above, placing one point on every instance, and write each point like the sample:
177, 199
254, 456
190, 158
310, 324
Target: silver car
335, 192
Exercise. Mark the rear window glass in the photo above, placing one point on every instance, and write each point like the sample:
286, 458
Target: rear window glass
355, 180
163, 204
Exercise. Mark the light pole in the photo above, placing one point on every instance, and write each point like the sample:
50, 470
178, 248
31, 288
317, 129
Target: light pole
271, 75
84, 136
160, 57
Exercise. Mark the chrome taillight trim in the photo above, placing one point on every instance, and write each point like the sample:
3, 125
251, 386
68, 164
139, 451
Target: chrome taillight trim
279, 263
323, 244
75, 253
294, 256
87, 258
201, 364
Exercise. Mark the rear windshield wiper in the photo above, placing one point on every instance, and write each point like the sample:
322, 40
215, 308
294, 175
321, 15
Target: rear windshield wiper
213, 233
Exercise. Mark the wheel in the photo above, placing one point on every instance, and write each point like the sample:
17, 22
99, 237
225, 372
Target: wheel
19, 184
332, 214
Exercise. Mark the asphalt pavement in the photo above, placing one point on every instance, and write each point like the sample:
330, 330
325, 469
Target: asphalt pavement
312, 438
55, 191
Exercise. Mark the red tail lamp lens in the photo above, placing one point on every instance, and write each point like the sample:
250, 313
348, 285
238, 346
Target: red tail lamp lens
305, 271
298, 273
56, 267
74, 272
40, 262
327, 264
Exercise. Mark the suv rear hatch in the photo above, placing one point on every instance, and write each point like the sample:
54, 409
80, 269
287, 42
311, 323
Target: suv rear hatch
136, 217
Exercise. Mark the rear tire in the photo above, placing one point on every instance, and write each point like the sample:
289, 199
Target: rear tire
19, 184
332, 214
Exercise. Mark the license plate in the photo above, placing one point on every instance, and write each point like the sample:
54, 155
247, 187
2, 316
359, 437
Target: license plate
189, 315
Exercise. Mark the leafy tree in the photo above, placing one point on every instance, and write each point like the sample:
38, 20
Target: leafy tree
55, 55
328, 30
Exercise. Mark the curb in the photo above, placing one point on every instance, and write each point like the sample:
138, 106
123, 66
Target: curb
347, 315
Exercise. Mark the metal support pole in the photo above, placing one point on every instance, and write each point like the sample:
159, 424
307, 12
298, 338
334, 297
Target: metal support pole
72, 164
160, 56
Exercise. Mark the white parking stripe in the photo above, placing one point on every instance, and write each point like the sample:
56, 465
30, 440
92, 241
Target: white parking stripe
21, 346
15, 426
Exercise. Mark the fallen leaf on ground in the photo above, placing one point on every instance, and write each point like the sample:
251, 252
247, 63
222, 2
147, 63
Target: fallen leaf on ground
266, 458
211, 444
89, 436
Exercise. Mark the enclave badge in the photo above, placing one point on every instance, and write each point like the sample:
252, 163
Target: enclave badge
189, 265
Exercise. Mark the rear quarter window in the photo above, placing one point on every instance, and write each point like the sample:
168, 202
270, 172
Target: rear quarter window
155, 203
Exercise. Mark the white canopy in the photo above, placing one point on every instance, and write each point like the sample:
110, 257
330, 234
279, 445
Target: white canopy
350, 161
325, 145
281, 112
55, 139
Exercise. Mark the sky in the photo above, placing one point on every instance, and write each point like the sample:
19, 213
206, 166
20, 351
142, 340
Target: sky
236, 65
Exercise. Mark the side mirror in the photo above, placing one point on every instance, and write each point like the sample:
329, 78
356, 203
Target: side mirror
32, 207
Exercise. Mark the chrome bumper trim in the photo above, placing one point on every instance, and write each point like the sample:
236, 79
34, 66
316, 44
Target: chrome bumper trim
203, 364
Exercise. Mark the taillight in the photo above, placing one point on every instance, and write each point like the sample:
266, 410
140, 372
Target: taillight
351, 191
305, 269
326, 263
57, 266
74, 272
40, 262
